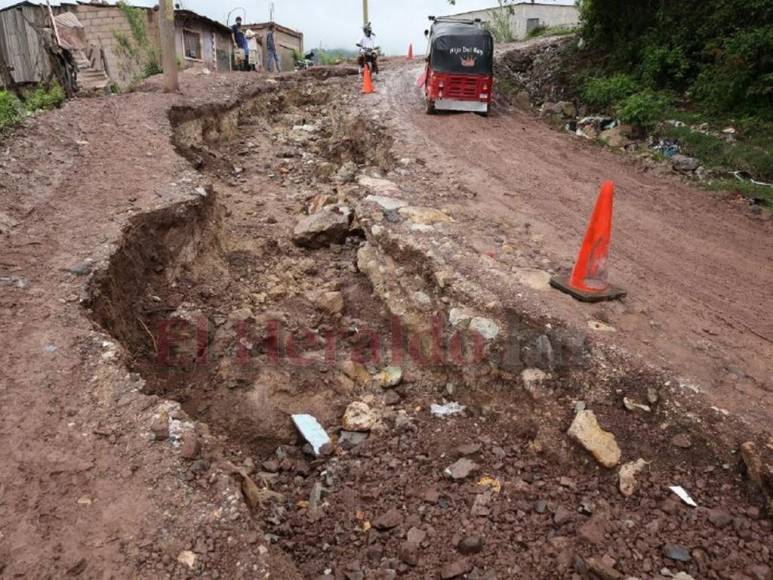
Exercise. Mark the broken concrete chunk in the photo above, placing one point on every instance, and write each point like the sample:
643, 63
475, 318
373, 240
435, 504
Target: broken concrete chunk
586, 431
684, 164
311, 431
359, 417
187, 558
534, 279
377, 184
389, 377
487, 328
331, 302
424, 215
461, 469
619, 136
355, 371
532, 381
459, 316
321, 229
386, 203
628, 473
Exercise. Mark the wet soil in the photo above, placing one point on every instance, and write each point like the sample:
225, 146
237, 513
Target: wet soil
213, 306
536, 506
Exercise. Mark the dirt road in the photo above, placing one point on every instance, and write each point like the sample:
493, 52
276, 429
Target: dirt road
698, 269
113, 465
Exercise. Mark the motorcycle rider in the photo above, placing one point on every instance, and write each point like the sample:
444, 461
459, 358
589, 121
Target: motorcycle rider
368, 49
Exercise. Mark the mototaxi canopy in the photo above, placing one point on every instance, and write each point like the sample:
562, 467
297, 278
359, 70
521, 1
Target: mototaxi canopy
461, 48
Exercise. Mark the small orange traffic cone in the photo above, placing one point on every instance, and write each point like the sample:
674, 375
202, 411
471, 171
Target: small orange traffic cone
410, 51
367, 81
588, 280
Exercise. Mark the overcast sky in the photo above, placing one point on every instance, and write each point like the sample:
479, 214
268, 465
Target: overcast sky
335, 23
338, 23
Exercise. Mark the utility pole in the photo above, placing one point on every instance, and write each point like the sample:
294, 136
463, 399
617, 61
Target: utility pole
168, 50
365, 18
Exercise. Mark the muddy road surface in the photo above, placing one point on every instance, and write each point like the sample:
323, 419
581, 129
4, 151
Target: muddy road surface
696, 268
182, 274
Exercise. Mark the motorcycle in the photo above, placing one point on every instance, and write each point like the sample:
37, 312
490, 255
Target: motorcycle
307, 61
369, 58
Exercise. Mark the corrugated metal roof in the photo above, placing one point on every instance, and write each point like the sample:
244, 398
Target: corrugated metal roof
9, 3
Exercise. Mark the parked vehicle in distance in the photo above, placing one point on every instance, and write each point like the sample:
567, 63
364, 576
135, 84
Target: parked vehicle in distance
460, 66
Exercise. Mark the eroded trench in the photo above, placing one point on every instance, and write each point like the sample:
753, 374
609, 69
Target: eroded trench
220, 310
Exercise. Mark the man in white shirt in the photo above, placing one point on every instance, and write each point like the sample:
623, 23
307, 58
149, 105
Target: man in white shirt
368, 50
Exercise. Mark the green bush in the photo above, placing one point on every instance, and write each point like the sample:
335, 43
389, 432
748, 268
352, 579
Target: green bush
720, 51
663, 66
44, 99
139, 56
603, 92
10, 110
644, 109
153, 67
537, 31
741, 75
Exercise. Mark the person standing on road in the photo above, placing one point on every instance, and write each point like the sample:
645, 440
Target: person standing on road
256, 56
273, 58
240, 40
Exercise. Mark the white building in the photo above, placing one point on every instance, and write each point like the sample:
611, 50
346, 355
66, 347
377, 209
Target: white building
525, 15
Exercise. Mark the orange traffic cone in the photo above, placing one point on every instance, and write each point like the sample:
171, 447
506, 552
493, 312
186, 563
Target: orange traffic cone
367, 81
410, 51
588, 280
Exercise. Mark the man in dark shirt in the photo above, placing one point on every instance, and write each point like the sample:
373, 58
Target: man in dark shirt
273, 58
240, 40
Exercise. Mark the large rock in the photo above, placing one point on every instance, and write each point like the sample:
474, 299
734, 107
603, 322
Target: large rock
389, 377
628, 473
386, 203
586, 431
487, 328
359, 417
321, 229
424, 215
684, 164
568, 109
619, 136
331, 302
461, 469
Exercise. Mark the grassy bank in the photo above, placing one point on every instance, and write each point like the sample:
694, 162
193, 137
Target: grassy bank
698, 74
13, 110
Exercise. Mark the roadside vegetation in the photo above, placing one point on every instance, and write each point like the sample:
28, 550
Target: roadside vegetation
141, 60
695, 73
13, 110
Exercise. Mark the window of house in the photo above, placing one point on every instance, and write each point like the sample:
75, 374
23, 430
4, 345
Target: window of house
192, 44
531, 24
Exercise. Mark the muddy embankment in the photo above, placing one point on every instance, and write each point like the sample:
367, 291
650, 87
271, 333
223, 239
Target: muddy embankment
223, 304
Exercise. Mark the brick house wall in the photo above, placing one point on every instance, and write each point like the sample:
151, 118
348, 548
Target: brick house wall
100, 24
